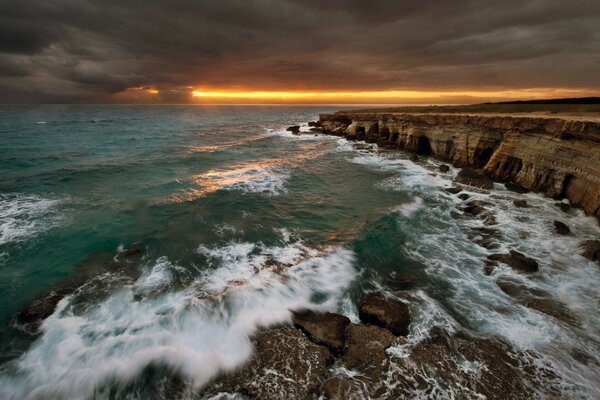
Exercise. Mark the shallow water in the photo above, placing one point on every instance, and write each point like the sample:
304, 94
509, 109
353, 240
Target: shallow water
241, 222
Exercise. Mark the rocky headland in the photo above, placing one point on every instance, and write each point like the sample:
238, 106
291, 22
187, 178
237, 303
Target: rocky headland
557, 155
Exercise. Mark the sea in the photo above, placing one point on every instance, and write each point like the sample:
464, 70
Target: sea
195, 226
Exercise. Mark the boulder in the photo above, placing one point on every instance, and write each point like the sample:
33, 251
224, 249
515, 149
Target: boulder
463, 196
327, 329
516, 260
520, 203
561, 228
453, 190
444, 168
474, 177
387, 313
414, 158
294, 129
590, 249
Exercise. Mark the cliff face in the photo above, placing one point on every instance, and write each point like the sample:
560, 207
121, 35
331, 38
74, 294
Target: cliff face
558, 157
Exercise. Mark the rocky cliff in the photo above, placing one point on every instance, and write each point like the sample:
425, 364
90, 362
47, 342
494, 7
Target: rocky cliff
559, 157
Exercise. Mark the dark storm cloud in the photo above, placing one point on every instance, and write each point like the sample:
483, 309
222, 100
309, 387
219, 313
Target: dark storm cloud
88, 50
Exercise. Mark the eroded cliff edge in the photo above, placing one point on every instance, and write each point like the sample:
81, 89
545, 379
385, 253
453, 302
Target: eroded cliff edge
559, 157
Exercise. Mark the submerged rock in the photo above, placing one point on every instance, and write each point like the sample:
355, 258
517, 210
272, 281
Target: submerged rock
285, 365
474, 177
590, 249
327, 329
520, 203
463, 196
516, 260
561, 228
564, 207
387, 313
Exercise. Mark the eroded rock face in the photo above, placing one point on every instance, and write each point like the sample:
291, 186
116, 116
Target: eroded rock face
285, 365
558, 157
516, 260
387, 313
327, 329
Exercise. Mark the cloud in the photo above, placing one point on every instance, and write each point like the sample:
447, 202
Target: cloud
91, 50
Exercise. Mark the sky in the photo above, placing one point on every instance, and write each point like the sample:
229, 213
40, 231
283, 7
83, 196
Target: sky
297, 51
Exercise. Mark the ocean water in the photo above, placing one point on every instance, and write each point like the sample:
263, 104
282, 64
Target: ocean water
239, 223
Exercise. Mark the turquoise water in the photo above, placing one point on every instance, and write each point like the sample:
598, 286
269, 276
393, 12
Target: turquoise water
240, 222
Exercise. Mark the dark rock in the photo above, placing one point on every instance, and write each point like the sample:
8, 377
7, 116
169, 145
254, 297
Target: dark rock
327, 329
474, 177
453, 190
515, 188
414, 158
316, 124
135, 249
285, 365
444, 168
552, 308
473, 209
516, 260
489, 267
561, 228
463, 196
485, 237
564, 207
520, 203
365, 346
294, 129
513, 289
387, 313
590, 249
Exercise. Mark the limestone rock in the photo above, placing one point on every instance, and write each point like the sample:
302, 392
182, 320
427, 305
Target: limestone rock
327, 329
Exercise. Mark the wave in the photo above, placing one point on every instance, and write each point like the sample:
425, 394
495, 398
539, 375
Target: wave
23, 216
199, 331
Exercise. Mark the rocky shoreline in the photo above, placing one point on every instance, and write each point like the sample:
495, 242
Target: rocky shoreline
559, 157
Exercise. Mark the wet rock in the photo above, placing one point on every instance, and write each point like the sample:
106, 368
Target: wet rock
489, 267
285, 365
463, 196
485, 237
520, 203
30, 318
564, 207
590, 249
561, 228
315, 124
474, 177
515, 188
316, 130
387, 313
327, 329
294, 129
516, 260
453, 190
365, 346
339, 388
414, 158
401, 282
444, 168
536, 299
475, 207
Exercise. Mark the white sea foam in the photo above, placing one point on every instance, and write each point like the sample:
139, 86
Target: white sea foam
23, 216
199, 331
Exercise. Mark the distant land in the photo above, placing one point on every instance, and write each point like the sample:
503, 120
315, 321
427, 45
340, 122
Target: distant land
574, 100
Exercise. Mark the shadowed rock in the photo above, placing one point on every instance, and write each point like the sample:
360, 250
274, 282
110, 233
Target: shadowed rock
515, 188
463, 196
590, 249
453, 190
387, 313
327, 329
564, 207
295, 129
474, 177
516, 260
561, 228
444, 168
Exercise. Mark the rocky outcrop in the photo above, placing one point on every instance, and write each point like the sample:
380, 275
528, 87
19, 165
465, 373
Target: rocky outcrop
326, 329
387, 313
558, 157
